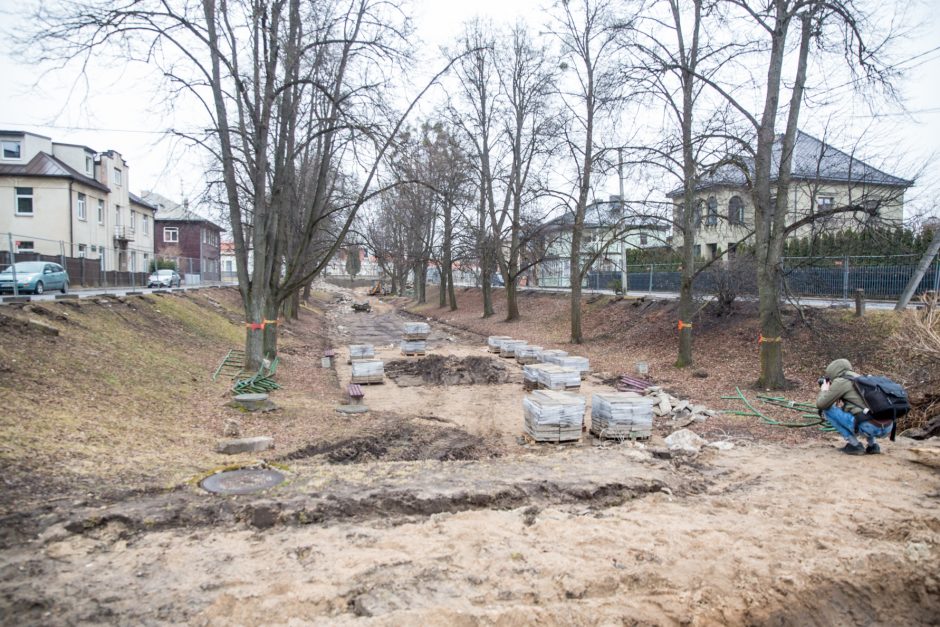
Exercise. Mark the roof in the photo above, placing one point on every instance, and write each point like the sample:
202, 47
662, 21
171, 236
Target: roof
137, 200
603, 213
22, 134
170, 211
813, 160
45, 165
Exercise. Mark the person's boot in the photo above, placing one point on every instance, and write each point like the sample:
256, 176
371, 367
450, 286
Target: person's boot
853, 449
873, 449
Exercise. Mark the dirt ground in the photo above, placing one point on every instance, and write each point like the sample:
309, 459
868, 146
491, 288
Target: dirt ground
430, 508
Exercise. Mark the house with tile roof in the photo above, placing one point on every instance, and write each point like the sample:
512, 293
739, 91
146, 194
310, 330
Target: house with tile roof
187, 236
69, 200
823, 177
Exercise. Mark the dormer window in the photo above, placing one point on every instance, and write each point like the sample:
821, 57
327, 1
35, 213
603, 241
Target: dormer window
89, 165
11, 148
117, 176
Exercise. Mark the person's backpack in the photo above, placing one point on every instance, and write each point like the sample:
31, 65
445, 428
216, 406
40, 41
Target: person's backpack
886, 401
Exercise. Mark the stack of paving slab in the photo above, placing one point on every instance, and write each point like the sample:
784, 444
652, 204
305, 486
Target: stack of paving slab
508, 348
553, 356
415, 338
417, 330
573, 362
528, 354
494, 343
368, 371
361, 351
414, 347
550, 377
621, 415
553, 416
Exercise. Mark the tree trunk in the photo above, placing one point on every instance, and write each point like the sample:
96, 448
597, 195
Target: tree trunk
512, 301
442, 291
919, 272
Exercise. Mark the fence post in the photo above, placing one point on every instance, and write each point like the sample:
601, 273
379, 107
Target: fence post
845, 278
104, 268
62, 252
859, 303
16, 291
936, 276
651, 279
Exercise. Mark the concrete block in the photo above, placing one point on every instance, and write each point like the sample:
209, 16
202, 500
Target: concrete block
245, 445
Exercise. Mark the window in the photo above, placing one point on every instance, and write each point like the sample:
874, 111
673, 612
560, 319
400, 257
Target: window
697, 251
81, 250
712, 217
11, 148
24, 201
824, 203
697, 214
82, 213
146, 224
712, 250
171, 234
117, 215
24, 247
643, 239
736, 210
89, 165
94, 248
732, 250
117, 177
133, 220
100, 211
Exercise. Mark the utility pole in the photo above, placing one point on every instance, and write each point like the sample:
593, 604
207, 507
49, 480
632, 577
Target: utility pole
624, 284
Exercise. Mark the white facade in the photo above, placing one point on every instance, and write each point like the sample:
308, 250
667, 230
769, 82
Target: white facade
65, 199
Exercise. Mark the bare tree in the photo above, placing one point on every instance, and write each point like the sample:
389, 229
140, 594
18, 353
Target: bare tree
593, 36
272, 78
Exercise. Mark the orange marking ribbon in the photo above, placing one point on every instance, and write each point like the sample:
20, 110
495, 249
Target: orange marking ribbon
684, 325
274, 322
769, 340
255, 326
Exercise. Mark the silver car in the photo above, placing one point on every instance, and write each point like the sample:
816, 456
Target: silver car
164, 278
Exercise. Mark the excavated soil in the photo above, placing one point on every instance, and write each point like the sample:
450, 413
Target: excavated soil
448, 370
399, 439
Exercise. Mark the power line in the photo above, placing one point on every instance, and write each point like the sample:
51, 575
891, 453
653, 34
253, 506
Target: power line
86, 128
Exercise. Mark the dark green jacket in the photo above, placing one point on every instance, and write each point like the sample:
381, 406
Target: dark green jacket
841, 389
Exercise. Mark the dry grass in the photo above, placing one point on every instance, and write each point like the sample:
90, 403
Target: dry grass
122, 398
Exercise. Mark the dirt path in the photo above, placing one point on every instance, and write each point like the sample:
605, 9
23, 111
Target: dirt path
586, 534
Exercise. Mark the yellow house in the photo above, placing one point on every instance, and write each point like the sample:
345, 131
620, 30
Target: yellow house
68, 200
823, 178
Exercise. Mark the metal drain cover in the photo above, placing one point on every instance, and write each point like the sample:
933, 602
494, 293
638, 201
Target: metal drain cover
244, 481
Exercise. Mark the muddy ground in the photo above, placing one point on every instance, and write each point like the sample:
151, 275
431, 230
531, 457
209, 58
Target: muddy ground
430, 509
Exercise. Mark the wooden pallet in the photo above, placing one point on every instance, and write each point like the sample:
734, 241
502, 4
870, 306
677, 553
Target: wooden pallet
421, 354
367, 380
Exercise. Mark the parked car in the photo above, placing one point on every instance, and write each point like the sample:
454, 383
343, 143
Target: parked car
164, 278
35, 277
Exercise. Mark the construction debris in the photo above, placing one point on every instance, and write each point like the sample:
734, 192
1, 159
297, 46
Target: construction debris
621, 415
553, 416
684, 440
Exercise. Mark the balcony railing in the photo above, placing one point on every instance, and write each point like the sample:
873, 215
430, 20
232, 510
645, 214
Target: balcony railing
124, 233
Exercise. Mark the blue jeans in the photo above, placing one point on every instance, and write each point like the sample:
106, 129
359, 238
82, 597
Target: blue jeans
844, 423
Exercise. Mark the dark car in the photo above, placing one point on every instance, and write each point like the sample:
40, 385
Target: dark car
164, 278
35, 277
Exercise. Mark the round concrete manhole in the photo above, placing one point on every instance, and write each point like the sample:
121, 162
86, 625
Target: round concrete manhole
243, 481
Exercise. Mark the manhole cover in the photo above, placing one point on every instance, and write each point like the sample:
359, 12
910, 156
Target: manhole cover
244, 481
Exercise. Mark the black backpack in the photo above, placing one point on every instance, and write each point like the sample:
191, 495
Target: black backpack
886, 400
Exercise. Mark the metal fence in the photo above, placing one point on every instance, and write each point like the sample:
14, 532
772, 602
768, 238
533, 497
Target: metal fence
829, 277
94, 265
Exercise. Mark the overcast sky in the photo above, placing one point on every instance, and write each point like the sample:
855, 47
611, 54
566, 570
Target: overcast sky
117, 108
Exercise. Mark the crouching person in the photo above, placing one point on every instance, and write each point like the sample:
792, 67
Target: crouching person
851, 419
